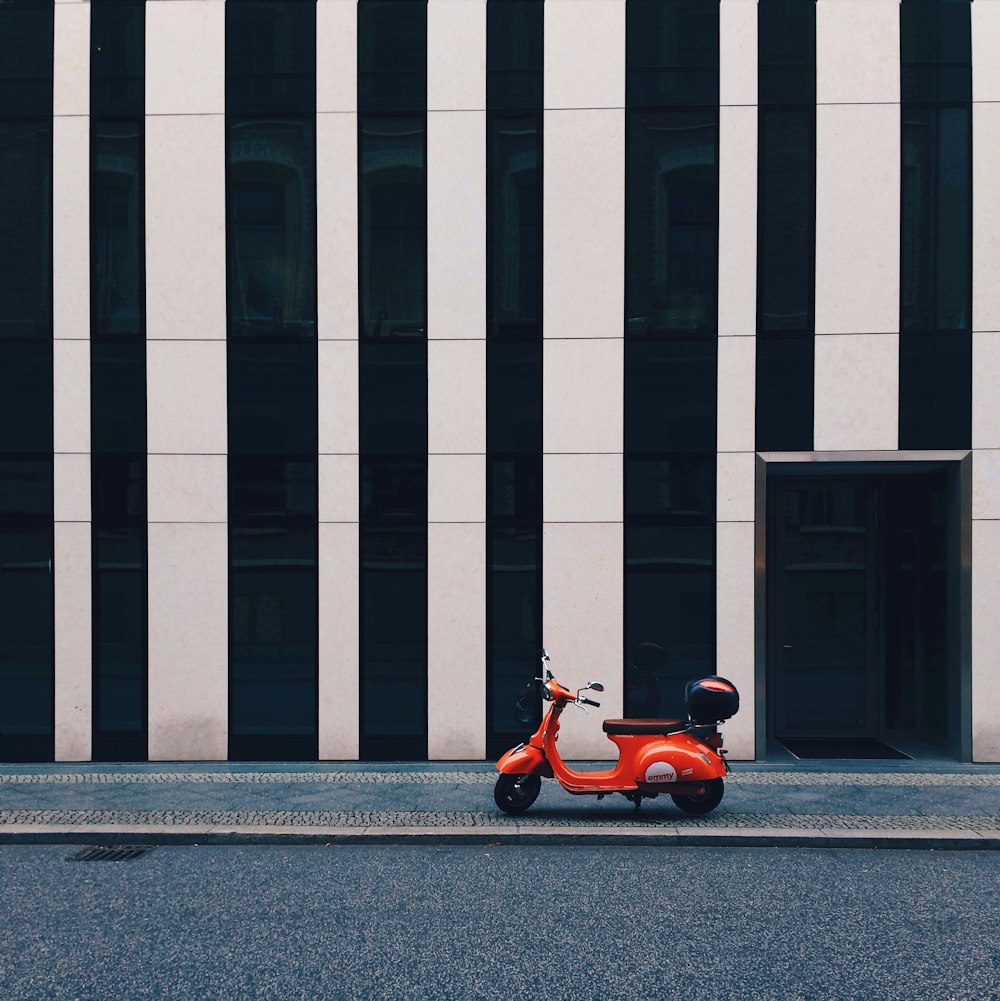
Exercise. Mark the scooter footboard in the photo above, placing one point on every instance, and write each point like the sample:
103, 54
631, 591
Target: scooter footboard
524, 760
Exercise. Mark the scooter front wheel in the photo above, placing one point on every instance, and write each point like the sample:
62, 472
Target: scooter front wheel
515, 793
714, 788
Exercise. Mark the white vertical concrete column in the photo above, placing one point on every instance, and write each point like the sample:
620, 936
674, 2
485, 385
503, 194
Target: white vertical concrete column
857, 224
583, 356
456, 378
337, 264
71, 381
186, 379
735, 465
985, 380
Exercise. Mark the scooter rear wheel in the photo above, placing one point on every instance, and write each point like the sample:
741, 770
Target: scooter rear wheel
515, 793
714, 788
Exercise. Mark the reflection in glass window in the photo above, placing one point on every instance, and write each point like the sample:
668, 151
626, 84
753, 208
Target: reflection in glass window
393, 220
671, 321
786, 224
392, 224
515, 225
673, 223
394, 607
672, 53
272, 370
118, 258
26, 534
935, 360
936, 254
26, 596
392, 55
669, 581
25, 226
514, 53
272, 228
118, 378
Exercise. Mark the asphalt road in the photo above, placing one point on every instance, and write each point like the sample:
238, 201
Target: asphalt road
499, 922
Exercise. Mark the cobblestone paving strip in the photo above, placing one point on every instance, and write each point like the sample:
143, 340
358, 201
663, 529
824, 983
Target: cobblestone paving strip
737, 778
473, 819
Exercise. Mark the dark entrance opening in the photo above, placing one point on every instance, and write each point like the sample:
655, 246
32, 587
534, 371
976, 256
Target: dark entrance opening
863, 608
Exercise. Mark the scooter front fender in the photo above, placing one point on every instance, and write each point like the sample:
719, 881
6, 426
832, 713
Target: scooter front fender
524, 760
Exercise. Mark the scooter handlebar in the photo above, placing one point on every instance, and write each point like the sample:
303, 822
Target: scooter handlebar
590, 702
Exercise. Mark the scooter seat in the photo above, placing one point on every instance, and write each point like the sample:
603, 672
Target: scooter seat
644, 726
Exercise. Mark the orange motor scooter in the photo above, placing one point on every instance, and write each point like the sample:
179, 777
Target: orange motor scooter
681, 757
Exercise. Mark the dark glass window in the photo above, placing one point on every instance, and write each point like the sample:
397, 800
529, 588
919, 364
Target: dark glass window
272, 397
119, 594
672, 53
935, 379
514, 397
27, 669
514, 225
669, 580
672, 219
274, 607
394, 608
272, 378
514, 56
26, 609
670, 398
671, 322
786, 31
26, 31
25, 396
786, 224
118, 395
118, 378
116, 227
514, 51
392, 222
271, 57
785, 393
25, 224
935, 375
936, 255
117, 58
392, 56
936, 51
272, 227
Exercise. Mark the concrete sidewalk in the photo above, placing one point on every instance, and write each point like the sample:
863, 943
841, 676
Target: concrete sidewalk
835, 803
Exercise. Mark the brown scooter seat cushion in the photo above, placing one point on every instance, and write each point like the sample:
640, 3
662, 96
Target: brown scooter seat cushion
637, 726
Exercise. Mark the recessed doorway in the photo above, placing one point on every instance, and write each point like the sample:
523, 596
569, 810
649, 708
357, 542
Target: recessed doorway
863, 609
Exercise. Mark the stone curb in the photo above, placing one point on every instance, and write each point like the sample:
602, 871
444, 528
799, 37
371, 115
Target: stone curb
928, 840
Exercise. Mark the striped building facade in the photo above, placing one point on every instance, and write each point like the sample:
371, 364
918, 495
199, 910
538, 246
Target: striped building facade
352, 350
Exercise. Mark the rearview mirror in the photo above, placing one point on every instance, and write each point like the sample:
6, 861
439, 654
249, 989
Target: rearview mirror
596, 686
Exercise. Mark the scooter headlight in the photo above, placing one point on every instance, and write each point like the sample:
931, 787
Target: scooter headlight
546, 692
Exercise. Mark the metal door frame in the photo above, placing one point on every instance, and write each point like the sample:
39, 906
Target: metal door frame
862, 463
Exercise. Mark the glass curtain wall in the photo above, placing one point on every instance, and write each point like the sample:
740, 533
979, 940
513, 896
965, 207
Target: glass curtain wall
118, 378
935, 346
786, 224
671, 323
272, 378
392, 214
26, 532
514, 47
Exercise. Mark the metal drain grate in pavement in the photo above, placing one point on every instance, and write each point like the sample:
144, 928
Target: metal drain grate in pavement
115, 853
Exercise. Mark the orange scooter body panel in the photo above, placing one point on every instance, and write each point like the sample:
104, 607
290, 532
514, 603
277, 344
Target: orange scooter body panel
522, 760
648, 763
676, 759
